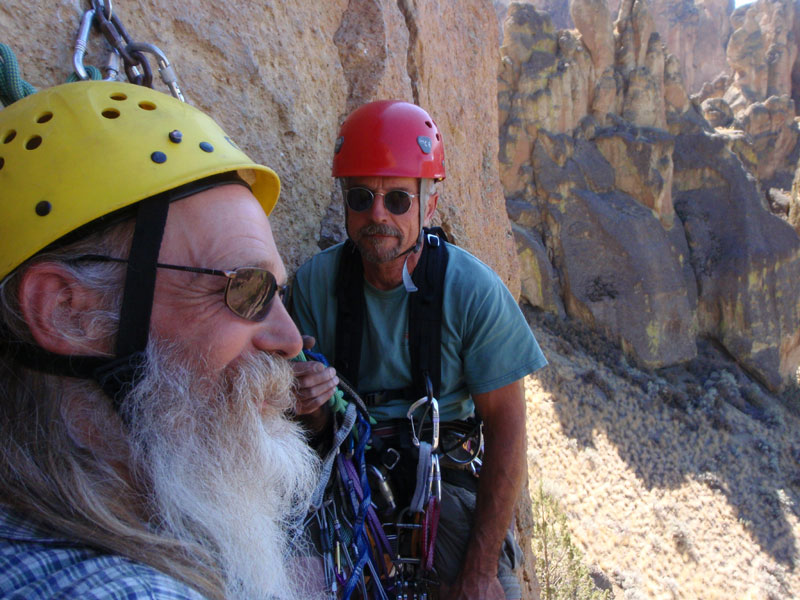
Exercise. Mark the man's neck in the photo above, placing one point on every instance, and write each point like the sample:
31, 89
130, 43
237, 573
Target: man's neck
388, 275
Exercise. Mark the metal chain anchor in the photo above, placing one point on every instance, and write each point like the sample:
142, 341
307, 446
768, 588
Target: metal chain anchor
123, 48
165, 69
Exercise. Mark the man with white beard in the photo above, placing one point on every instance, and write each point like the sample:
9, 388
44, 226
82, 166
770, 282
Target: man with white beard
145, 448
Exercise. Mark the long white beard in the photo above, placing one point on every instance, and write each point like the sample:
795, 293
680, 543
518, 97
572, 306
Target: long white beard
226, 468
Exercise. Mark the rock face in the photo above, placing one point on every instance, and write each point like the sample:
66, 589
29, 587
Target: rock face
696, 32
761, 51
631, 212
280, 78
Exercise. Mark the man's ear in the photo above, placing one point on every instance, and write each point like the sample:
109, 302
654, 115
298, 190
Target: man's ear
54, 306
431, 208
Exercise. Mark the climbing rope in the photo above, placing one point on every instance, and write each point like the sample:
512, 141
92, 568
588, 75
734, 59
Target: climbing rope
12, 86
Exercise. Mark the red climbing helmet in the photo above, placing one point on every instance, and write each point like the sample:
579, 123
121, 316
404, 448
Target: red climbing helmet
389, 138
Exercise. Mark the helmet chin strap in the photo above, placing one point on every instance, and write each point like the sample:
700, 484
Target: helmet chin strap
408, 283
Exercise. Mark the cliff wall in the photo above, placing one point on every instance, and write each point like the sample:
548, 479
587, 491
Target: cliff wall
280, 77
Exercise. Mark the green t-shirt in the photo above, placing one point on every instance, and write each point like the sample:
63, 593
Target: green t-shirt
486, 342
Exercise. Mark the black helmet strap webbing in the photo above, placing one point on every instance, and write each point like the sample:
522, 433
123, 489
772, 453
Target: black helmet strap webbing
140, 278
424, 316
118, 376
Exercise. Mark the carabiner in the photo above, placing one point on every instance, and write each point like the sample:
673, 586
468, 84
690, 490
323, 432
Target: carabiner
429, 403
435, 481
164, 68
81, 41
112, 66
105, 8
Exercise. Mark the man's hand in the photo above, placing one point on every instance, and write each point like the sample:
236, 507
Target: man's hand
315, 385
481, 588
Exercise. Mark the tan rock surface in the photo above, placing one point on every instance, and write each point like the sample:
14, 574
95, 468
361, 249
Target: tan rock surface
747, 261
696, 33
671, 490
762, 52
773, 134
593, 19
592, 174
280, 77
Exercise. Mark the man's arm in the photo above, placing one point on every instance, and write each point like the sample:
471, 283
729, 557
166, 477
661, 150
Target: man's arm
502, 474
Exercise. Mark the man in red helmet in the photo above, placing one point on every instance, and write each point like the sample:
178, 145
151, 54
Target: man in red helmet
404, 316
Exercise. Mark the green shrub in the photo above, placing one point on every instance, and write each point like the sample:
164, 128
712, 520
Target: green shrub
559, 567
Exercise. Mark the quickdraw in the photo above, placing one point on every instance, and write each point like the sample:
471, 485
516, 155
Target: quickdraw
421, 519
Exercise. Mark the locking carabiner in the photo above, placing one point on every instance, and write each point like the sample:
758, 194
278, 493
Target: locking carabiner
165, 69
431, 404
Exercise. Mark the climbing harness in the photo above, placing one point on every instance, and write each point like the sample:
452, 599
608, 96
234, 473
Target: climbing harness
424, 318
405, 469
369, 549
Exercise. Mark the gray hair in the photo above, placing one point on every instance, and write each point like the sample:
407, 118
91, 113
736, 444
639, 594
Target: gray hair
104, 279
49, 470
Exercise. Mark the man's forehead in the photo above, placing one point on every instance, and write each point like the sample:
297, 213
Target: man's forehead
380, 182
225, 228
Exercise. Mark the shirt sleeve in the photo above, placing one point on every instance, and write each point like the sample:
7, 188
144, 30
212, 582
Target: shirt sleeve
499, 347
313, 305
301, 308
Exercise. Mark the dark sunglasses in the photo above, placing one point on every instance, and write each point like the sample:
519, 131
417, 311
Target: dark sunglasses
360, 199
248, 292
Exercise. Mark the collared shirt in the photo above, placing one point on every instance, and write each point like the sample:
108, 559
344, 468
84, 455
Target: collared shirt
36, 565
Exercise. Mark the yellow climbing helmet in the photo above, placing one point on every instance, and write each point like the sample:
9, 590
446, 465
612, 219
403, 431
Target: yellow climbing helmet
76, 152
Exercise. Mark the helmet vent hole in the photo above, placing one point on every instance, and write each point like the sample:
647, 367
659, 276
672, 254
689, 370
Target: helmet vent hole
110, 113
44, 117
34, 142
144, 105
429, 124
9, 136
438, 137
119, 96
43, 208
2, 162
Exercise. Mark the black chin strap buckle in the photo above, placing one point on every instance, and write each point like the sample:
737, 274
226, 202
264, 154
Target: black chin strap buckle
118, 376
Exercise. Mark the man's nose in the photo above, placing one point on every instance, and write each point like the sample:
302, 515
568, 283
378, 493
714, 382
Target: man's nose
278, 334
378, 209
